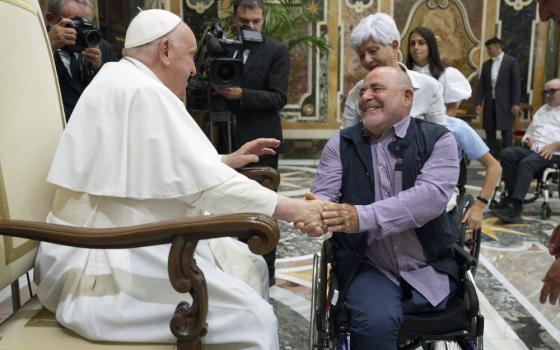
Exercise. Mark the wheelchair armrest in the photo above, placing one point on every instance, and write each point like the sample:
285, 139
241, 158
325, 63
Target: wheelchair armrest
266, 176
463, 258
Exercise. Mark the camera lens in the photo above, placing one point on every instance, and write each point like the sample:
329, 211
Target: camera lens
226, 72
92, 38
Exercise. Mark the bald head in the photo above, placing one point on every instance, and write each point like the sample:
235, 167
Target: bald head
385, 99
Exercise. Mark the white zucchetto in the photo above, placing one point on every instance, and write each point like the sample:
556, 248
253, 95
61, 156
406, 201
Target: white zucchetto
150, 25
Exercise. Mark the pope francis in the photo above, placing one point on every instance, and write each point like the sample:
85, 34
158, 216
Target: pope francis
131, 154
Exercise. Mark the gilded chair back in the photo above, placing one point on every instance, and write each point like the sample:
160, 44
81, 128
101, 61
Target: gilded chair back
31, 121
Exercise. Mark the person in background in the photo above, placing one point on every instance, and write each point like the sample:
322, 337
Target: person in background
541, 148
423, 56
263, 92
376, 40
75, 70
499, 90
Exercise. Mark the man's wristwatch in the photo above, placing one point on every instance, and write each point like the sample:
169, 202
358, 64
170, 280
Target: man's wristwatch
483, 200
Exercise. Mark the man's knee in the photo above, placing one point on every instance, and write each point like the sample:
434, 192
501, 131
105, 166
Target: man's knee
377, 330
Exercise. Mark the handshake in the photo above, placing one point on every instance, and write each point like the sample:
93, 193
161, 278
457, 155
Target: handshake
316, 217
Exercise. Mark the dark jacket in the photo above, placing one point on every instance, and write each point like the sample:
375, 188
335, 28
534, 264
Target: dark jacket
436, 237
71, 89
508, 93
265, 90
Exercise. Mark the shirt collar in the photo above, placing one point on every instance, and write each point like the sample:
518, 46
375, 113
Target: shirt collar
499, 57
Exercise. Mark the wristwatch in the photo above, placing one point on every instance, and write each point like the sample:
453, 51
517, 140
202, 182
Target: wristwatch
483, 200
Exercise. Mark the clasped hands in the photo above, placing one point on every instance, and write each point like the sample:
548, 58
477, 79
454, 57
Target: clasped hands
334, 217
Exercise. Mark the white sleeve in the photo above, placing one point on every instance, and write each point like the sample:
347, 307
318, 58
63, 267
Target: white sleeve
435, 111
455, 86
351, 114
236, 195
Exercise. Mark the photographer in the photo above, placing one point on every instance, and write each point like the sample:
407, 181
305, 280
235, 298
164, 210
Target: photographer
75, 65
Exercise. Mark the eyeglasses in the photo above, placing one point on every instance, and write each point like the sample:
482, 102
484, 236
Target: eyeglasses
550, 92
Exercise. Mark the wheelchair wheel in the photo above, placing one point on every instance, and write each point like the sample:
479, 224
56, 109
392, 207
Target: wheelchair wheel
546, 211
319, 337
460, 344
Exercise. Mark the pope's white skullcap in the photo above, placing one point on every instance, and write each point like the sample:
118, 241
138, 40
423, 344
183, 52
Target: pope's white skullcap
148, 26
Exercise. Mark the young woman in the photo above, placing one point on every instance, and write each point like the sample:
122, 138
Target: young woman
423, 56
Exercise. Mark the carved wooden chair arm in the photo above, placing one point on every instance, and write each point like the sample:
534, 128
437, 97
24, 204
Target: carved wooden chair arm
189, 321
266, 176
259, 229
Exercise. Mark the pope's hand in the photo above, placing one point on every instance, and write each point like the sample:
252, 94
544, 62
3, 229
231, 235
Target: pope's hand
250, 152
313, 227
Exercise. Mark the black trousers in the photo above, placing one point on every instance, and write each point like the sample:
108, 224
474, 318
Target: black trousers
519, 166
507, 134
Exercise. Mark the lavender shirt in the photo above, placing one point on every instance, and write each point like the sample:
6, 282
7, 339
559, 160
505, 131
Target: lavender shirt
393, 246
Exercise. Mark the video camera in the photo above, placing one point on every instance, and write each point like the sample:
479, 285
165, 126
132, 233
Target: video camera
87, 35
216, 65
219, 63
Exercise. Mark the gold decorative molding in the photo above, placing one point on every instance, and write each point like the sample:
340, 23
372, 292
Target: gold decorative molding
540, 61
333, 61
518, 5
200, 6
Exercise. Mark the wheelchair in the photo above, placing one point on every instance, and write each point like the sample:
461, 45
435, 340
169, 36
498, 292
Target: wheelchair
545, 178
459, 326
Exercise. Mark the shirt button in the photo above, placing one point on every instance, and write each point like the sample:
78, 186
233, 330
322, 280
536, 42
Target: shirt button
386, 193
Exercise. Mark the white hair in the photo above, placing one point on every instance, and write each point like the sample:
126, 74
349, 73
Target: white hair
379, 27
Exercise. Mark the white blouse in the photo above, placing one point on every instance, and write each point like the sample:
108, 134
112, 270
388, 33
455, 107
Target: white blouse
454, 84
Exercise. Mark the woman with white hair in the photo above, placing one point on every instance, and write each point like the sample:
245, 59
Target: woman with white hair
376, 40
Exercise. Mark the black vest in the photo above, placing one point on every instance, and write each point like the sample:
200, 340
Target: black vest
436, 237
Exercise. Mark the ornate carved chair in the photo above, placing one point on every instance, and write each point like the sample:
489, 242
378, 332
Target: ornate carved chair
31, 121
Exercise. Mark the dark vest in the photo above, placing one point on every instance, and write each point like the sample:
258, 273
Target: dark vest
436, 237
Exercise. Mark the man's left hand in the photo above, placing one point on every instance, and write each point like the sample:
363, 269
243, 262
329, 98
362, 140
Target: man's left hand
551, 287
340, 218
93, 56
473, 216
547, 152
231, 93
250, 152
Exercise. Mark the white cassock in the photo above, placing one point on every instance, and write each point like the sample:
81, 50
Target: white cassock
131, 154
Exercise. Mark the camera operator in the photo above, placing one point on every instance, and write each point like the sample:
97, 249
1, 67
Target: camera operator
263, 92
264, 89
75, 69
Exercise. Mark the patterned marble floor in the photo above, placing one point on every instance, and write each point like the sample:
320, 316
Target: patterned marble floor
512, 263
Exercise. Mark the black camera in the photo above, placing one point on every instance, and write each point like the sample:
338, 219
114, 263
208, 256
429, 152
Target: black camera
87, 35
219, 63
